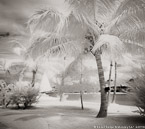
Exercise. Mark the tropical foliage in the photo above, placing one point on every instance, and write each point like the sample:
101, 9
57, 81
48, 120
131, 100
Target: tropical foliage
138, 91
20, 93
2, 92
104, 25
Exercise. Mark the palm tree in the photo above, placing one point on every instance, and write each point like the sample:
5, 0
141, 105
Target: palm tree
77, 64
21, 50
81, 91
126, 66
6, 67
107, 22
119, 19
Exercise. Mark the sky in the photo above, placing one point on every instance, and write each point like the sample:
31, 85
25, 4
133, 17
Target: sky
14, 15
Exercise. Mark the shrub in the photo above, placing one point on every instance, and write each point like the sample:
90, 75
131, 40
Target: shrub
21, 93
3, 86
138, 91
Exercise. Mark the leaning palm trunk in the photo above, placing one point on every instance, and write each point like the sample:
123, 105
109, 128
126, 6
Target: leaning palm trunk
109, 83
104, 102
114, 95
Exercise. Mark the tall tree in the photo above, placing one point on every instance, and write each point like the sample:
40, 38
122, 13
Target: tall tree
109, 22
81, 91
20, 50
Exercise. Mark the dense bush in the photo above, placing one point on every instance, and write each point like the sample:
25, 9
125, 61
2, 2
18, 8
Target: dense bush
20, 94
138, 91
3, 86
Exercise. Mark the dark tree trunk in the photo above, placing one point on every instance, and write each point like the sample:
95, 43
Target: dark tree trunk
81, 97
115, 80
81, 91
109, 82
33, 78
104, 102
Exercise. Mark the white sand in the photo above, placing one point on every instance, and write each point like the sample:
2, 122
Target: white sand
49, 113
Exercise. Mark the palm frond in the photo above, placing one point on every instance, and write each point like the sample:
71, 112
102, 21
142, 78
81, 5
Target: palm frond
134, 48
85, 7
53, 44
59, 21
130, 6
111, 46
130, 21
105, 10
128, 24
136, 36
83, 12
72, 48
130, 14
49, 20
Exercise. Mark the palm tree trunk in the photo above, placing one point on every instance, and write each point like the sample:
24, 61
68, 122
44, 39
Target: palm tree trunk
62, 82
115, 80
81, 97
104, 102
81, 90
61, 90
33, 77
109, 82
81, 93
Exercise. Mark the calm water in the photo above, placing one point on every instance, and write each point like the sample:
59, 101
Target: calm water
121, 98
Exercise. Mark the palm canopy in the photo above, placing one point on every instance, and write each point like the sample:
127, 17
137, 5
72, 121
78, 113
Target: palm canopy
62, 28
64, 21
54, 44
111, 47
59, 28
125, 19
